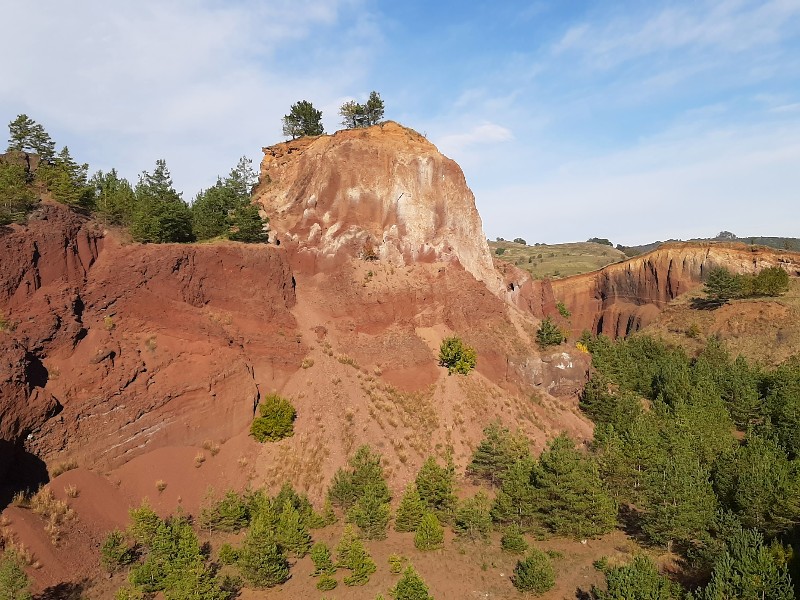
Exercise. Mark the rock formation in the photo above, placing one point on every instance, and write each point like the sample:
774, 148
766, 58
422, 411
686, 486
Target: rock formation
385, 189
625, 297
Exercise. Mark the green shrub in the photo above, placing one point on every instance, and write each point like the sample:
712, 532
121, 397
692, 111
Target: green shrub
261, 560
534, 574
411, 587
321, 557
396, 563
365, 472
549, 334
144, 524
410, 511
640, 580
326, 583
228, 555
291, 531
115, 552
457, 356
772, 281
496, 453
500, 251
14, 581
351, 554
230, 513
512, 540
429, 534
370, 514
473, 519
563, 310
276, 420
436, 487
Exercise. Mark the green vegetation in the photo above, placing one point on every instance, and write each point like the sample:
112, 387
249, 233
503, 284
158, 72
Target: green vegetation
457, 356
429, 534
411, 587
436, 487
534, 574
115, 552
321, 557
549, 334
473, 519
355, 115
364, 475
512, 540
563, 310
352, 555
14, 583
26, 135
275, 421
262, 561
229, 513
303, 120
639, 580
556, 260
496, 453
371, 513
410, 511
721, 285
17, 197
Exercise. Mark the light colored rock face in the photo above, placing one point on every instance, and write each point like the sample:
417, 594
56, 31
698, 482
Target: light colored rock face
386, 186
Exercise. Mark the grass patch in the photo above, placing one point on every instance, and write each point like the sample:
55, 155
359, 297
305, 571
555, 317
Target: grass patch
557, 260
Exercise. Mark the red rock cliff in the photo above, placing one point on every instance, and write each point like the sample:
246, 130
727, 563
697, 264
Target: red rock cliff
625, 297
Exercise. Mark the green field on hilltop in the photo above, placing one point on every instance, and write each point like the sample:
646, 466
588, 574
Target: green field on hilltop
556, 260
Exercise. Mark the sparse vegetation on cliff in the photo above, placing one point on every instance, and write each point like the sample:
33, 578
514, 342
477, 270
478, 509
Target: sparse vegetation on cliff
457, 356
275, 421
549, 334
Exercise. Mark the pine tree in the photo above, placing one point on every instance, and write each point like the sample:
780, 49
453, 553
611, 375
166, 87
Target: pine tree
373, 109
115, 552
230, 513
497, 453
436, 485
680, 501
67, 180
429, 534
748, 571
321, 557
365, 471
113, 197
144, 524
570, 496
161, 215
17, 197
370, 514
26, 135
473, 519
410, 511
516, 501
760, 485
411, 587
292, 533
261, 560
639, 580
351, 554
512, 540
303, 120
534, 574
14, 582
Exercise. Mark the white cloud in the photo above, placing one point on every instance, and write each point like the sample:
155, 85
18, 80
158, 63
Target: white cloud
197, 83
744, 180
478, 135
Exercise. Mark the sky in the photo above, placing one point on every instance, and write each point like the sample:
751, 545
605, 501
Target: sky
633, 121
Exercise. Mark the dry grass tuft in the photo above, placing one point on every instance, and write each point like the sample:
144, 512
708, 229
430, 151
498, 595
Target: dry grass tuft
63, 467
55, 512
199, 459
161, 485
72, 491
212, 447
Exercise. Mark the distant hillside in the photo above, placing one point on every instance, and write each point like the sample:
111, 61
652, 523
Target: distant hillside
556, 260
781, 243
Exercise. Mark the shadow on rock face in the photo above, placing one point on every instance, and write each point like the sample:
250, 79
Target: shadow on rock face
19, 470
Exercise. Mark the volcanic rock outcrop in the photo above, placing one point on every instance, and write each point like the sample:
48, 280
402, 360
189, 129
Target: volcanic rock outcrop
113, 349
625, 297
384, 190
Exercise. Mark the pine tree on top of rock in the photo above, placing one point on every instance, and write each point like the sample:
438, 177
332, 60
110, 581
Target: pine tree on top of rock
303, 120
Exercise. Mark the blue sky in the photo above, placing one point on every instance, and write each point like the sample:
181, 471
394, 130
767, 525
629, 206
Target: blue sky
634, 121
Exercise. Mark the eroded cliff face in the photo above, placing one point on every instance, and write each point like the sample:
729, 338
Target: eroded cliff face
625, 297
114, 349
385, 188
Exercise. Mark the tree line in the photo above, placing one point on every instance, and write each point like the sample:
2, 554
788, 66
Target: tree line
151, 209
